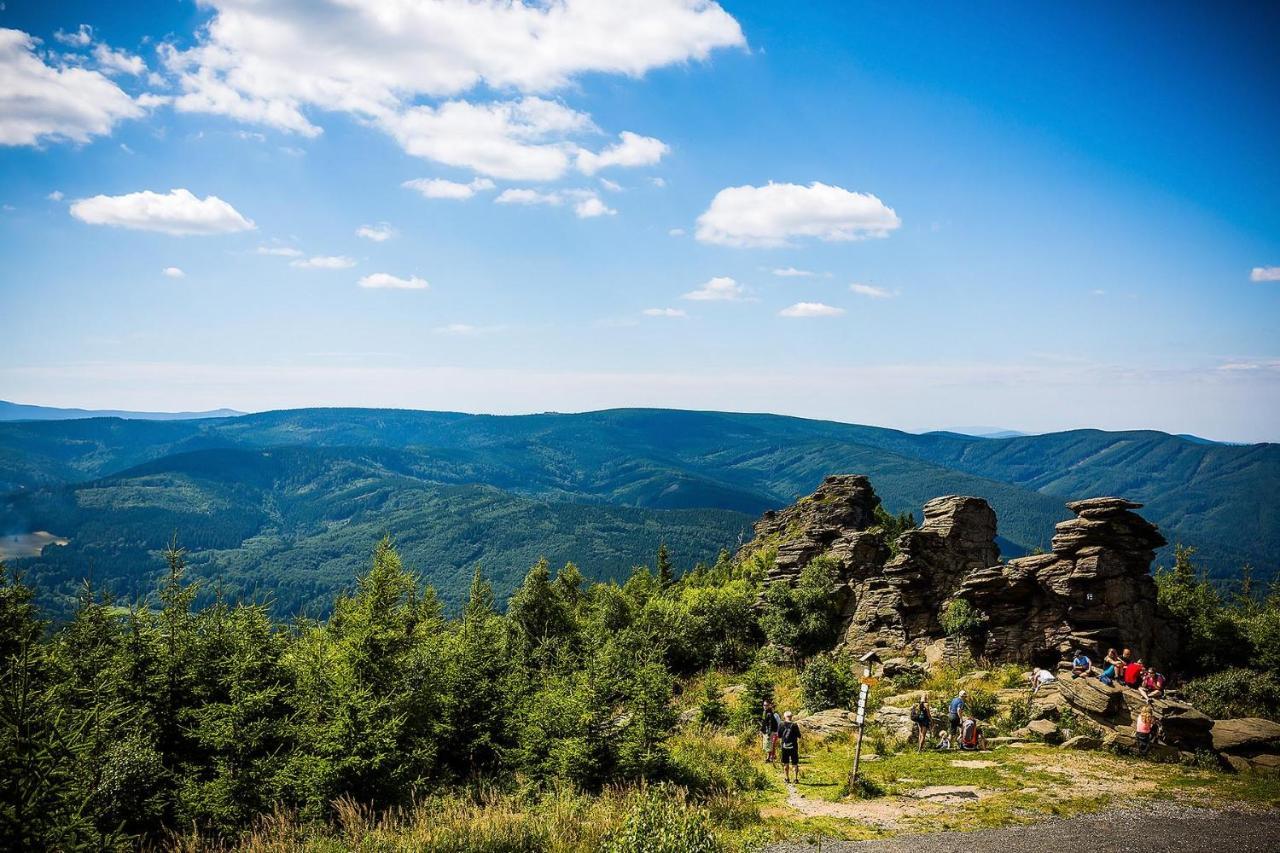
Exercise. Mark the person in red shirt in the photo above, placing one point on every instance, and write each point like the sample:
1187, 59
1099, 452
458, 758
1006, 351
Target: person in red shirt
1133, 674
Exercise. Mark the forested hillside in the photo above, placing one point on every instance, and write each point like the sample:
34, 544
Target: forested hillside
278, 501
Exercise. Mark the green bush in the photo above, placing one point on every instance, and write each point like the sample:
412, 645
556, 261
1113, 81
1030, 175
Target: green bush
827, 682
1236, 693
706, 767
982, 703
661, 822
962, 619
711, 710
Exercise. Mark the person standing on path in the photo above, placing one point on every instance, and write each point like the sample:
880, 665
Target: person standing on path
769, 732
953, 712
789, 740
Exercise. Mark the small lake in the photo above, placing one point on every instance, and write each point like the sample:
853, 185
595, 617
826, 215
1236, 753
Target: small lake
14, 545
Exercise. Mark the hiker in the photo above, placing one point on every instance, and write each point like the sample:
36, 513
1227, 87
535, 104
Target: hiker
1114, 659
1080, 665
1126, 658
1152, 685
1144, 728
1039, 678
789, 739
1109, 675
769, 732
953, 712
923, 719
970, 734
1132, 675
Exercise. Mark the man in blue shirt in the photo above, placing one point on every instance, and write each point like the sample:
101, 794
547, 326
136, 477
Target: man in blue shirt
953, 712
1081, 664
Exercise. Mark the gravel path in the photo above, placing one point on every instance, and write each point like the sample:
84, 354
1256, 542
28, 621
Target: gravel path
1158, 828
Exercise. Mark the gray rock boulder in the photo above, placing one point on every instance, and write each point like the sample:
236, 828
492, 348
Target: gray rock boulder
1245, 735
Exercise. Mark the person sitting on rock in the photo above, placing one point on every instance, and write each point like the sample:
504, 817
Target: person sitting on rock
1144, 728
1126, 658
1039, 678
1081, 664
954, 709
1109, 675
1132, 675
1152, 685
1113, 658
923, 719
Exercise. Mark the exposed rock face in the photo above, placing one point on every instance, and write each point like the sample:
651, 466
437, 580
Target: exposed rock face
1093, 591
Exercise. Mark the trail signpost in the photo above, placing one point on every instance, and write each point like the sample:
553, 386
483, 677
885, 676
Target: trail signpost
867, 683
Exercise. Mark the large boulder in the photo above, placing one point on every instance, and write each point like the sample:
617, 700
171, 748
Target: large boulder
1093, 591
1245, 735
1046, 730
829, 722
1081, 742
896, 721
1091, 696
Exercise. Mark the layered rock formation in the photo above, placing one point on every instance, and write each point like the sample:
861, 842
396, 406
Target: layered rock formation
1093, 590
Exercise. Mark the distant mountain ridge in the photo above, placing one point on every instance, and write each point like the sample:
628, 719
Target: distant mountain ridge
291, 501
23, 412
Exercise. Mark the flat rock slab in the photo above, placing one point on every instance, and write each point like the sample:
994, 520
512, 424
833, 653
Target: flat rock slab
947, 793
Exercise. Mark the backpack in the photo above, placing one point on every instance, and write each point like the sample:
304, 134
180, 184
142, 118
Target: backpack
918, 714
969, 734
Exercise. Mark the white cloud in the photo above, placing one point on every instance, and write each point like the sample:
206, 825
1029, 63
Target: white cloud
527, 196
440, 188
1097, 291
177, 212
39, 101
774, 214
665, 312
516, 140
870, 290
611, 186
791, 272
393, 63
383, 280
675, 232
633, 150
379, 233
118, 61
658, 182
173, 272
56, 195
324, 262
587, 204
280, 251
719, 289
80, 38
591, 207
1265, 274
810, 309
465, 329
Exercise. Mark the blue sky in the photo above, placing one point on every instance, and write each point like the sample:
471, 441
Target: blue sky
1034, 219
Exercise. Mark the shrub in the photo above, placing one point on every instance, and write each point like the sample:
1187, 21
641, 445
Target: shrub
708, 766
1236, 693
827, 682
962, 619
759, 686
661, 822
1017, 715
862, 788
982, 703
712, 711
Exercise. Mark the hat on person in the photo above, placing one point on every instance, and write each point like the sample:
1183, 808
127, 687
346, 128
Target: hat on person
963, 693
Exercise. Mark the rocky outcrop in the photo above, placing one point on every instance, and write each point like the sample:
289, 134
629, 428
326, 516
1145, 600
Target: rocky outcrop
1093, 591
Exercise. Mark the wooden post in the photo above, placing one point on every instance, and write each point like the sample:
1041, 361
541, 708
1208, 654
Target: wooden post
862, 711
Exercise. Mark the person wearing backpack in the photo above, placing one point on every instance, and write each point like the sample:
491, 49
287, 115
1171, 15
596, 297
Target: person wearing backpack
769, 723
970, 734
789, 741
1152, 685
923, 719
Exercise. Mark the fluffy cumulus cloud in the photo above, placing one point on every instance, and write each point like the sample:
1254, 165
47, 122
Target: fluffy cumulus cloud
440, 188
810, 309
324, 262
176, 212
379, 233
114, 61
41, 102
281, 64
777, 214
387, 281
677, 313
633, 150
871, 291
586, 204
719, 289
173, 272
1265, 274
